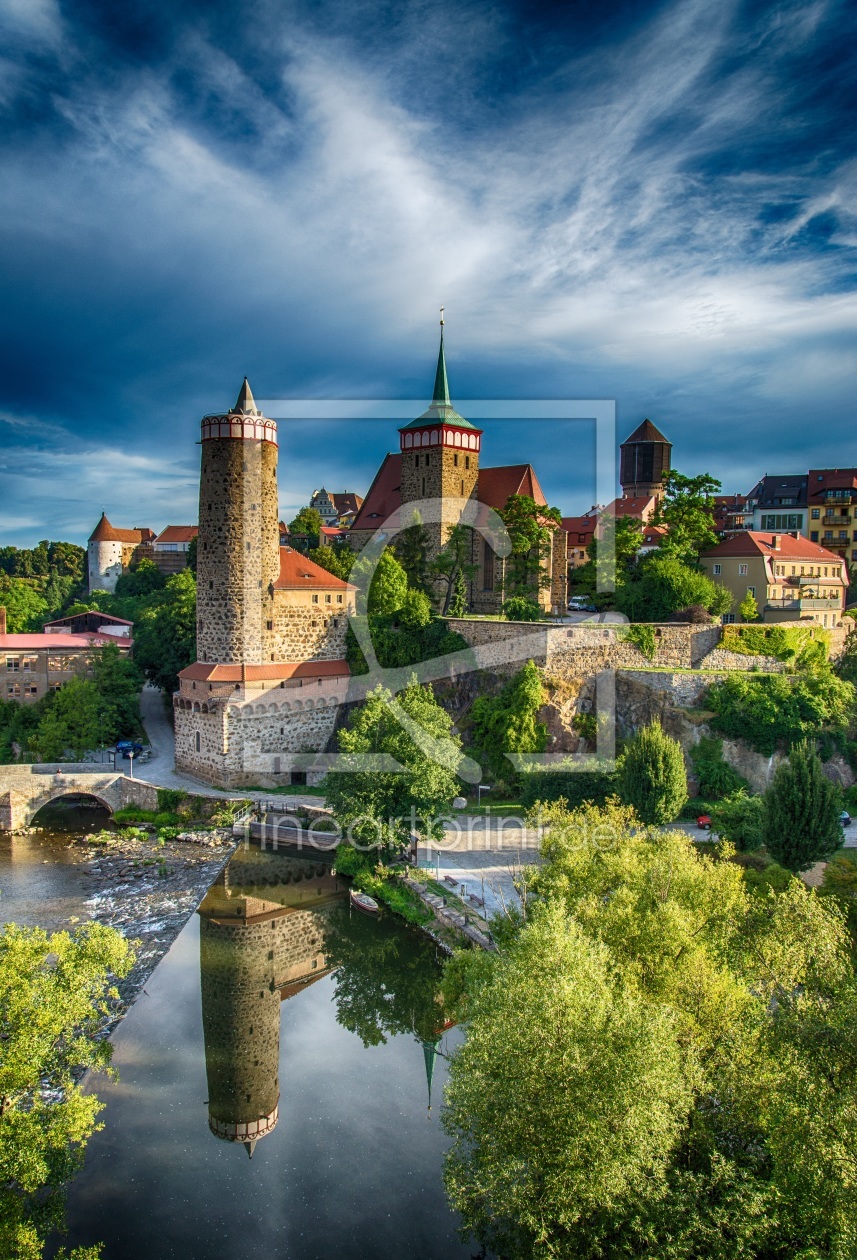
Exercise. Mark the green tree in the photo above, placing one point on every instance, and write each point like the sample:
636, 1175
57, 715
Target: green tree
192, 551
26, 608
453, 568
731, 1137
748, 609
307, 525
802, 816
652, 777
336, 560
687, 512
55, 993
846, 666
740, 820
663, 585
165, 634
389, 586
521, 608
610, 566
118, 680
508, 723
381, 808
72, 722
769, 710
412, 551
143, 579
530, 527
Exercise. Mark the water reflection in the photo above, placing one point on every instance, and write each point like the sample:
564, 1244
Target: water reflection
262, 940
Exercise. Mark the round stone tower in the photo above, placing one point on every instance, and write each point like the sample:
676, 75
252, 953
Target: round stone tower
238, 557
644, 462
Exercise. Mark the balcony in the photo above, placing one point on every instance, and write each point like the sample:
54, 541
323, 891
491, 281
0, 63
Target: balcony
836, 518
801, 579
804, 604
834, 544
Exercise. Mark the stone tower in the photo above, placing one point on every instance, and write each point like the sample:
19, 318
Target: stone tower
645, 461
238, 547
440, 458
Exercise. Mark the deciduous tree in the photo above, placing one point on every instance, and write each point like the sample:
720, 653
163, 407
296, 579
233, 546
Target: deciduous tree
687, 512
530, 527
508, 723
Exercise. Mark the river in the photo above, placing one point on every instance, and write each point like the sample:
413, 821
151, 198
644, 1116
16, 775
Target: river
274, 1075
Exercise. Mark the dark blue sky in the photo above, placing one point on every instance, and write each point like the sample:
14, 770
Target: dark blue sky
648, 202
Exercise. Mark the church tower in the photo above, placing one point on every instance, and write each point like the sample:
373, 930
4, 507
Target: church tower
238, 547
644, 462
440, 458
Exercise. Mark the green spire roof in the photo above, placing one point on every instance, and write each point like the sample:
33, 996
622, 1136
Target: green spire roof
441, 410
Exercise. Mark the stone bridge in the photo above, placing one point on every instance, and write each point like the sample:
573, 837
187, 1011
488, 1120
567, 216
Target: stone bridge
25, 789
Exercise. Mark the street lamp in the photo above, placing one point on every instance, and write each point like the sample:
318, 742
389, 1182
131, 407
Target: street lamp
131, 759
480, 788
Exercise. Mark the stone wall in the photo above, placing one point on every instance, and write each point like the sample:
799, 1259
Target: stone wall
721, 658
308, 625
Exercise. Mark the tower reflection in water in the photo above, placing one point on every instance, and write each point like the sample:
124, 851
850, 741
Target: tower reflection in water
262, 940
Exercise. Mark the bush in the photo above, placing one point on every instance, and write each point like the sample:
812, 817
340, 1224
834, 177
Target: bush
652, 778
643, 638
740, 819
575, 787
521, 608
715, 776
784, 643
769, 710
773, 877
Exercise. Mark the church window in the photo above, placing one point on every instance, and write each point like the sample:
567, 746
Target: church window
462, 489
197, 741
428, 460
488, 564
466, 461
455, 461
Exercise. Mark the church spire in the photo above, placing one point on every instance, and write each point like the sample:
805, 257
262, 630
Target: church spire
440, 397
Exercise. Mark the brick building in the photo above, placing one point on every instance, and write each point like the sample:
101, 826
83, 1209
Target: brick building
438, 463
31, 665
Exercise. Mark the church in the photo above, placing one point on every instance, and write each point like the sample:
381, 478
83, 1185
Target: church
439, 459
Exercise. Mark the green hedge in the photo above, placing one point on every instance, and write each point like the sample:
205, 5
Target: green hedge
784, 643
574, 786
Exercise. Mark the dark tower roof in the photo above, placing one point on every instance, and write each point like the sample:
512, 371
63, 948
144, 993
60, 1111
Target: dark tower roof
646, 432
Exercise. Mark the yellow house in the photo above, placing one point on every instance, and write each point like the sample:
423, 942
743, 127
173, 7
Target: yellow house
790, 578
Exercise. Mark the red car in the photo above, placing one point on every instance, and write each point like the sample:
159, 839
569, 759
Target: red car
703, 822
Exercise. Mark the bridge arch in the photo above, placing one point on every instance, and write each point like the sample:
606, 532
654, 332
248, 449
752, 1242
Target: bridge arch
32, 809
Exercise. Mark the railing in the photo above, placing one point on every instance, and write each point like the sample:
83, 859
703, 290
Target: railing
802, 605
832, 519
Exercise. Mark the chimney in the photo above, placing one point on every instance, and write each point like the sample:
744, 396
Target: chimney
775, 542
2, 620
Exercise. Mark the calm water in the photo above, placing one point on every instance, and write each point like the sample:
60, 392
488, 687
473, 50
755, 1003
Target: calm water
40, 883
284, 1026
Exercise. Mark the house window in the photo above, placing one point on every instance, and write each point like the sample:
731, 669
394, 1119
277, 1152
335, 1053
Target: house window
715, 569
816, 513
328, 599
466, 461
813, 535
339, 599
31, 689
751, 590
13, 664
315, 599
743, 570
13, 690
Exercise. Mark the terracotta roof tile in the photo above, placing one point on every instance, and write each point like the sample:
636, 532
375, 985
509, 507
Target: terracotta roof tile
497, 484
383, 497
298, 572
105, 532
751, 543
202, 671
178, 533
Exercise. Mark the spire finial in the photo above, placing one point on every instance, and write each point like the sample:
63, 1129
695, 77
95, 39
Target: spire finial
440, 397
441, 317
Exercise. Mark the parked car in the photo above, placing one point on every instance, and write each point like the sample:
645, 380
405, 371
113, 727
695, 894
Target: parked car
579, 603
703, 822
845, 818
128, 748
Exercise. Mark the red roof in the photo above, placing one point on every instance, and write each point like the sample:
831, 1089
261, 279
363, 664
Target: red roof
752, 543
22, 642
384, 495
823, 479
625, 506
201, 671
653, 535
298, 572
497, 484
178, 533
105, 532
580, 529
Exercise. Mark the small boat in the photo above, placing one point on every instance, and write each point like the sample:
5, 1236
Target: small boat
362, 901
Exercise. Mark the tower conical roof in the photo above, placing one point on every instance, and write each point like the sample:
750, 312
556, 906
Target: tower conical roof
246, 404
646, 432
441, 410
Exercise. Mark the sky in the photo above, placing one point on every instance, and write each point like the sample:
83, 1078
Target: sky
649, 202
